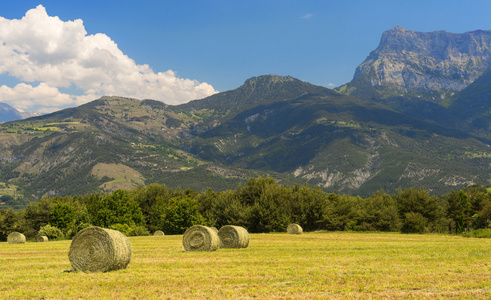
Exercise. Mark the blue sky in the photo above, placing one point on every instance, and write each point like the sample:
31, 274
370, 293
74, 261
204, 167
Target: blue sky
176, 51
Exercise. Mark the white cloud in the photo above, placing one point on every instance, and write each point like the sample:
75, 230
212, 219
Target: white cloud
59, 54
42, 98
307, 16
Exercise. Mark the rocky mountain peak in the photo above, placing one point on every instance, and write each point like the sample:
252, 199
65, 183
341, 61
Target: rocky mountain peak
267, 80
408, 61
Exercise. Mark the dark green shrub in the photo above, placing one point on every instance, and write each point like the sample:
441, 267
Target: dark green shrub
115, 208
269, 212
123, 228
225, 209
414, 223
62, 215
9, 220
138, 231
417, 201
52, 232
181, 213
130, 230
75, 228
459, 210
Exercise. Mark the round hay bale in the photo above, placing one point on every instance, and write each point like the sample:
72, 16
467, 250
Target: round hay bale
200, 238
159, 232
41, 238
294, 229
96, 249
16, 238
233, 237
214, 229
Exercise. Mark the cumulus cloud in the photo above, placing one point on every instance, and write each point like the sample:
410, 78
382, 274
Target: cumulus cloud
42, 98
50, 53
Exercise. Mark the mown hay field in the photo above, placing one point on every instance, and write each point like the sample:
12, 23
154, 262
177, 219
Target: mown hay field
273, 266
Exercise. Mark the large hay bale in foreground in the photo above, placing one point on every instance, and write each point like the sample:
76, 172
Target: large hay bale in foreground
200, 238
294, 229
96, 249
158, 233
41, 238
16, 238
233, 237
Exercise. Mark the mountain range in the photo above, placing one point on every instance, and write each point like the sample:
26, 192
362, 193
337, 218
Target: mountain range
437, 76
382, 131
8, 113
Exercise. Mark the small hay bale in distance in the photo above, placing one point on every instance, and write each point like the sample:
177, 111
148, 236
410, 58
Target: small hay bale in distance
16, 238
294, 229
200, 238
233, 237
96, 249
158, 233
41, 238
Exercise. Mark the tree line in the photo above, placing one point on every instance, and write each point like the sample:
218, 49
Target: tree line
260, 205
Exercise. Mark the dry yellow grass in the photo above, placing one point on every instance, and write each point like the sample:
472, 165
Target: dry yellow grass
274, 266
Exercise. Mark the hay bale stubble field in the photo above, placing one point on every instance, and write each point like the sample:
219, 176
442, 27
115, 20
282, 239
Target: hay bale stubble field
16, 238
200, 238
311, 265
233, 237
96, 249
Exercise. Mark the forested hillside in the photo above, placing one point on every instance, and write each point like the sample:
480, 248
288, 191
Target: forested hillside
272, 126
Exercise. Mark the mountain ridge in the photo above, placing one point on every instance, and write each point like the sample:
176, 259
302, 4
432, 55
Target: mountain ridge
8, 113
432, 64
303, 134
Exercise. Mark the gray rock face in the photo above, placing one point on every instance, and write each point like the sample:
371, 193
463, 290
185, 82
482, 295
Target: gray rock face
407, 60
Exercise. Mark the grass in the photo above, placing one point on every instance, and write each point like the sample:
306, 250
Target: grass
479, 233
274, 266
123, 176
8, 189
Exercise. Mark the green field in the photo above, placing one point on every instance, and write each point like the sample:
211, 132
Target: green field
274, 266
